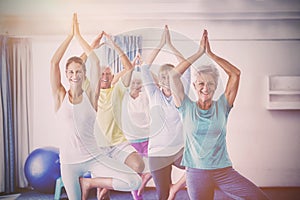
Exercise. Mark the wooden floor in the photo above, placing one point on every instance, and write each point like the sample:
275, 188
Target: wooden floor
278, 193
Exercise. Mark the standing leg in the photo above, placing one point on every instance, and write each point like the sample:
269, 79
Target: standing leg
199, 184
161, 177
70, 174
181, 183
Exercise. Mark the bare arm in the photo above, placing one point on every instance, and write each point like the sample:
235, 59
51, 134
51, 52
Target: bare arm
178, 55
232, 72
125, 61
186, 63
149, 60
137, 60
95, 45
58, 91
95, 63
176, 87
175, 82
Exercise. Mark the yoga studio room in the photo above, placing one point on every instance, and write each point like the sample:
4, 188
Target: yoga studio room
150, 100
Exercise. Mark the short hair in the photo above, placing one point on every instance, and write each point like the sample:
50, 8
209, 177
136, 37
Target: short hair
104, 67
166, 67
136, 75
206, 69
78, 60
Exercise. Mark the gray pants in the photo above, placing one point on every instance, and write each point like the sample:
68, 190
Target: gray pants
201, 184
161, 169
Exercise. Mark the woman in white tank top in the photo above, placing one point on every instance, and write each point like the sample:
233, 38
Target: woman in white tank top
76, 110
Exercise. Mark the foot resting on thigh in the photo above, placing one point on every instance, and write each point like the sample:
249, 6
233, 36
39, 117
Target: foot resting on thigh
85, 187
145, 178
102, 194
172, 192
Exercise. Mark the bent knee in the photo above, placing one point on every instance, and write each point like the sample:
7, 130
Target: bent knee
135, 162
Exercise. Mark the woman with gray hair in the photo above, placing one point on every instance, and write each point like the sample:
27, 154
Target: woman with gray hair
207, 162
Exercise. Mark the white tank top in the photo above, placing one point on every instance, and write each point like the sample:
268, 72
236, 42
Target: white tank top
77, 141
136, 117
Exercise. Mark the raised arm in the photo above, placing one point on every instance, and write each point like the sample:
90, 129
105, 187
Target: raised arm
95, 70
125, 74
95, 45
175, 81
186, 63
137, 60
58, 91
178, 55
149, 60
232, 72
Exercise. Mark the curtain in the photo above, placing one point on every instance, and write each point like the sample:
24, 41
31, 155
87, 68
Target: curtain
130, 44
16, 106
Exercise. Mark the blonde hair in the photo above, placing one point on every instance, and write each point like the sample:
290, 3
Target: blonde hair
165, 67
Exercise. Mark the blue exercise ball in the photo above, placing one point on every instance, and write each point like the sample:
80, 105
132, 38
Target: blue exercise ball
42, 168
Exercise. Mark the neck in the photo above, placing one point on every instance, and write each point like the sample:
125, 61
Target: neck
166, 92
134, 95
204, 105
75, 92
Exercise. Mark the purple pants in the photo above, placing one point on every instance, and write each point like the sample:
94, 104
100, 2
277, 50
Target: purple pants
141, 148
201, 184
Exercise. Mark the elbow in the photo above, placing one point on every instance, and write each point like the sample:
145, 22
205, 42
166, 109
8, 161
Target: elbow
54, 66
236, 72
54, 62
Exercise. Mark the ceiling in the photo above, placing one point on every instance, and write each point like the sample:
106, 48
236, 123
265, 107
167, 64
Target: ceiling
50, 16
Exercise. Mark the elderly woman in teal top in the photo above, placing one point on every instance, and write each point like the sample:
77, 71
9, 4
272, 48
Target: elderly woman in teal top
207, 162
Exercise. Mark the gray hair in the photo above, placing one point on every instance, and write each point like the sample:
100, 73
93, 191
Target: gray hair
165, 67
206, 69
136, 75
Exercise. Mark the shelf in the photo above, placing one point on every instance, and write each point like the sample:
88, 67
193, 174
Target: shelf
283, 92
283, 106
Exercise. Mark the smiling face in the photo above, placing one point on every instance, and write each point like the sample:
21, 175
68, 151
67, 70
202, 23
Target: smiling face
164, 79
136, 85
75, 73
163, 76
205, 87
106, 78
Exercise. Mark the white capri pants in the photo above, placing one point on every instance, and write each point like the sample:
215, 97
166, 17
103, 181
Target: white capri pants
124, 178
